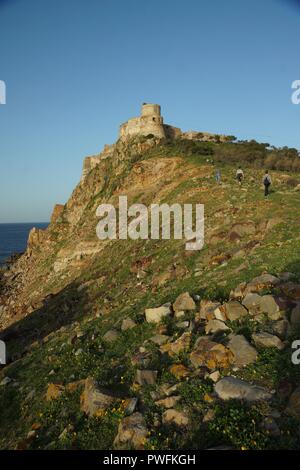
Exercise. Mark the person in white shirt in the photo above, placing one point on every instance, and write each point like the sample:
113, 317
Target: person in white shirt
239, 175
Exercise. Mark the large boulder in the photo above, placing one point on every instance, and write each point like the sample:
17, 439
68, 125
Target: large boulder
132, 433
229, 388
243, 352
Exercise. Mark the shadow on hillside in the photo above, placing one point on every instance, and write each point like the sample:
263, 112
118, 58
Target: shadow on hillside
58, 310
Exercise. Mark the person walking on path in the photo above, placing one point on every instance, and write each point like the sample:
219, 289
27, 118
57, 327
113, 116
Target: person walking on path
218, 176
267, 182
239, 175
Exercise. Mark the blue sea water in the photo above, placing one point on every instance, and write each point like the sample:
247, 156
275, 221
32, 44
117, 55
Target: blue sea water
13, 238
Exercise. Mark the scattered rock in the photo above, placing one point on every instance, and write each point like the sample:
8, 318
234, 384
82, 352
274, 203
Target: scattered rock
160, 339
211, 355
209, 416
179, 418
156, 315
94, 399
215, 326
168, 402
184, 302
293, 408
130, 405
234, 310
281, 328
178, 346
269, 306
127, 324
214, 376
252, 303
232, 388
266, 340
179, 371
111, 336
54, 391
146, 377
295, 316
132, 433
243, 352
262, 282
5, 381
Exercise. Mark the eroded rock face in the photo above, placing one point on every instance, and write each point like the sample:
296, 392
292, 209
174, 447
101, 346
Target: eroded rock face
132, 433
232, 388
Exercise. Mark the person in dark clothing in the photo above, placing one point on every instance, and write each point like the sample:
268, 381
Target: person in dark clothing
267, 182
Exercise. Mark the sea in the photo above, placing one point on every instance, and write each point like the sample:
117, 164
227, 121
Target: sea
13, 238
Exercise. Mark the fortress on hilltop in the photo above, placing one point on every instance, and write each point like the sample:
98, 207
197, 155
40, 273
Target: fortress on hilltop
149, 124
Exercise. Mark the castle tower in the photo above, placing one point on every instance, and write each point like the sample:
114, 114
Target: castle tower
150, 122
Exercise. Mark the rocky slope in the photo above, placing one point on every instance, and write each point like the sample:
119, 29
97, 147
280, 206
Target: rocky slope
142, 343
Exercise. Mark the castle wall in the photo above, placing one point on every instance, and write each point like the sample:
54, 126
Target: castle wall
150, 122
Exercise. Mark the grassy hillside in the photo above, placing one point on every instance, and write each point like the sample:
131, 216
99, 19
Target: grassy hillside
60, 307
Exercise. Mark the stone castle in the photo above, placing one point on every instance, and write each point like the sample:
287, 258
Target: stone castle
149, 124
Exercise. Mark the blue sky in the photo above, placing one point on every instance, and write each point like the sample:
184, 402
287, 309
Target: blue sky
76, 69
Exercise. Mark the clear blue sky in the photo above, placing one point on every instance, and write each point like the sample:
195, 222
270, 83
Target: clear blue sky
76, 69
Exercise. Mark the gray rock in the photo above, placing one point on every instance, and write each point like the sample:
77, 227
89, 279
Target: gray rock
243, 352
159, 339
111, 336
127, 324
5, 381
232, 388
266, 340
130, 406
146, 377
